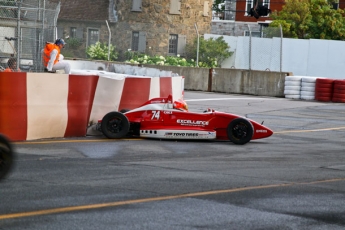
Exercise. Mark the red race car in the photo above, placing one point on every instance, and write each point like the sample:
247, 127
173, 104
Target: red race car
163, 118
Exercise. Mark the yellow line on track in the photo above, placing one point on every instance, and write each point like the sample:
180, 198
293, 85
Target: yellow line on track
153, 199
310, 130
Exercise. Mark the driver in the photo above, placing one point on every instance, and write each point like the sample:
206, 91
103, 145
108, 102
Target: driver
180, 105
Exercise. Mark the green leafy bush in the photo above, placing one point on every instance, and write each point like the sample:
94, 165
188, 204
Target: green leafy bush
99, 51
212, 52
134, 57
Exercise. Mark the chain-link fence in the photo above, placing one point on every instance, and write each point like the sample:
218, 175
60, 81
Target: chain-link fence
261, 50
25, 26
265, 50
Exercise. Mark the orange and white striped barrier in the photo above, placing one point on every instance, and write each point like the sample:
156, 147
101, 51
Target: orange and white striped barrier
41, 105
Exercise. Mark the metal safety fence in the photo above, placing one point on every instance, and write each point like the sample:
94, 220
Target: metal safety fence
25, 26
264, 49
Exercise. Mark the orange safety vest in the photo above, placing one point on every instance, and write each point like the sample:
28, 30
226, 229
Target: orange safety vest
46, 53
11, 70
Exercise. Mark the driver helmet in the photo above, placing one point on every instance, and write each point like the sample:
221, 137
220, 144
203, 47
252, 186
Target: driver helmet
60, 41
181, 105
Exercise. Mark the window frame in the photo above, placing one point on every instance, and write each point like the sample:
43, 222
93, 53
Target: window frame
73, 32
138, 44
173, 44
257, 34
135, 41
89, 35
175, 7
136, 5
250, 4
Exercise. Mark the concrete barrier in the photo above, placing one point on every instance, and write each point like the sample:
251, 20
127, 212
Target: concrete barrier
239, 81
261, 83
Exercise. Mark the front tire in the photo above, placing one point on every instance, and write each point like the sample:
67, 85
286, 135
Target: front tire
115, 125
240, 131
6, 157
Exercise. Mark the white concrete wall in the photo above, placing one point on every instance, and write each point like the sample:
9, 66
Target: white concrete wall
314, 57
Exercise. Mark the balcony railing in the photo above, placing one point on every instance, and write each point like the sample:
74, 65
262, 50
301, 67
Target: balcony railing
224, 15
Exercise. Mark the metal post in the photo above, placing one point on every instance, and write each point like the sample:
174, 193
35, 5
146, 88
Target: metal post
281, 47
19, 34
109, 40
250, 47
55, 21
43, 31
197, 49
43, 17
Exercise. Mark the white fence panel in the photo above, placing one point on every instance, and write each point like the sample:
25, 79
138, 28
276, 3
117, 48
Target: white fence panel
314, 57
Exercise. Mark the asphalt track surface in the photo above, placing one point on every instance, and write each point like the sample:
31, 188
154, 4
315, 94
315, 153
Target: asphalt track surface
293, 180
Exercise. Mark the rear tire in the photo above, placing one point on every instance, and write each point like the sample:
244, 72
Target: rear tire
115, 125
6, 157
240, 131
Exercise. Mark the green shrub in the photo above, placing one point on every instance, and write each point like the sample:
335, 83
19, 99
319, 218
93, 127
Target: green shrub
99, 51
140, 58
212, 52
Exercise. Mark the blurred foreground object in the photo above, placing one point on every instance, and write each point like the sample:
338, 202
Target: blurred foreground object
6, 156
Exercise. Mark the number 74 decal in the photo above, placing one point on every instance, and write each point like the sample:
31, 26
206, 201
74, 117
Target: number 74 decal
155, 115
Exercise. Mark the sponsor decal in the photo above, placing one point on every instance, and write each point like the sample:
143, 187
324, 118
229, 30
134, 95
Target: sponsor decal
167, 112
186, 134
261, 131
168, 134
192, 122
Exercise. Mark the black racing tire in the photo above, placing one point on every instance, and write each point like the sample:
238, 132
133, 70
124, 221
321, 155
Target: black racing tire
6, 157
240, 131
115, 125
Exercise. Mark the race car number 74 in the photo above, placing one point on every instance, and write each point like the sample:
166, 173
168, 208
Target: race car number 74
155, 115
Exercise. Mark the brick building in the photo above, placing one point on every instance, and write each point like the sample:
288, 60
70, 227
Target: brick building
235, 20
243, 6
161, 27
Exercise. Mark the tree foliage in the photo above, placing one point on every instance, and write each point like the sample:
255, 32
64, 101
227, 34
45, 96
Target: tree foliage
310, 19
218, 6
212, 52
326, 23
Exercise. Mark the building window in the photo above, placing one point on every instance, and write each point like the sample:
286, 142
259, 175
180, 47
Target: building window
135, 40
73, 32
254, 33
138, 41
252, 3
206, 8
136, 5
93, 36
173, 44
175, 7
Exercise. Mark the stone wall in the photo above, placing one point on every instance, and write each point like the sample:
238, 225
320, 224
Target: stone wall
80, 51
232, 28
154, 19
